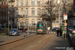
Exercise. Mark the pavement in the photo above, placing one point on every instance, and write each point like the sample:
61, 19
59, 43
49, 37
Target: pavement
58, 43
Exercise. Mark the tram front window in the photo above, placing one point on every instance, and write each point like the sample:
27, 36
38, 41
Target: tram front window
40, 26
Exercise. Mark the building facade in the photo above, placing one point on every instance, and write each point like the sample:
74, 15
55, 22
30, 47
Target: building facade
12, 11
3, 13
32, 11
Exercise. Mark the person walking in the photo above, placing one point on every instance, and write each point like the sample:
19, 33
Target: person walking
48, 29
60, 32
24, 32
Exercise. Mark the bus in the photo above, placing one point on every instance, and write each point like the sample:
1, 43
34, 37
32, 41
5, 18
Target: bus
41, 28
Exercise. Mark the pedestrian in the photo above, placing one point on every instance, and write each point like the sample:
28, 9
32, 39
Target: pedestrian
24, 32
60, 32
48, 29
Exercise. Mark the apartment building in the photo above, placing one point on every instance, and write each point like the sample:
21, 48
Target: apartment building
12, 11
3, 13
32, 11
28, 12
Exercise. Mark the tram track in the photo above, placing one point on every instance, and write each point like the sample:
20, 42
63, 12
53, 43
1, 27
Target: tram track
28, 48
27, 40
46, 46
27, 43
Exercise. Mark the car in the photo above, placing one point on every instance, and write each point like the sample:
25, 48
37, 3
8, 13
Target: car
13, 32
70, 28
73, 31
54, 29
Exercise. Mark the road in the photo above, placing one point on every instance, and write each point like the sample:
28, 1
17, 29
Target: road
37, 42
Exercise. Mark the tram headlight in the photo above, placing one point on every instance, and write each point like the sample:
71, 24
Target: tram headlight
40, 30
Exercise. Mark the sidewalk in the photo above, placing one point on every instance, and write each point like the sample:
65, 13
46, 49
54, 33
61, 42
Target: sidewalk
59, 43
9, 39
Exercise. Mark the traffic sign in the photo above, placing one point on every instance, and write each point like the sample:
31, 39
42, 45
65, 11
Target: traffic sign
65, 24
65, 16
30, 24
65, 27
65, 32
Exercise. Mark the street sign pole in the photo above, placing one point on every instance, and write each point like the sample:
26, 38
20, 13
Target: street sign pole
65, 32
65, 24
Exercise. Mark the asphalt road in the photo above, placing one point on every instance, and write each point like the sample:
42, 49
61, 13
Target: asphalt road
37, 42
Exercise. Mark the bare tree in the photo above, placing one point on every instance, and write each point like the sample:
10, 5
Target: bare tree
52, 8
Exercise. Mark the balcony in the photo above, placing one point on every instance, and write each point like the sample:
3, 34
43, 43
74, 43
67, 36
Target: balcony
11, 1
20, 16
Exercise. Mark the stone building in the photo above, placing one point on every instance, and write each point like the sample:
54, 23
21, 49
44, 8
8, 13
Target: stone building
32, 11
3, 13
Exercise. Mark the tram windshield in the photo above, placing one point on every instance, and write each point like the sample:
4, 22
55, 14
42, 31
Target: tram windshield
40, 26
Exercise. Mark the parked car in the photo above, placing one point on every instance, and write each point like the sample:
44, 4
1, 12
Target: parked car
70, 28
73, 31
13, 32
55, 29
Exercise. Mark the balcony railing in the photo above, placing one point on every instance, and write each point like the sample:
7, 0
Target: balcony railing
21, 16
11, 1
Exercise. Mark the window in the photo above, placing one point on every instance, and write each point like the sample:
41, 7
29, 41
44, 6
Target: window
3, 3
26, 22
38, 20
57, 21
6, 17
22, 22
22, 11
17, 11
58, 1
21, 2
32, 2
38, 2
1, 17
33, 11
26, 2
58, 10
48, 11
17, 2
38, 11
6, 9
64, 1
6, 3
3, 9
17, 22
33, 21
26, 11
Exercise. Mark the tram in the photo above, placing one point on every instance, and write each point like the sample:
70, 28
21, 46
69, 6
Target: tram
41, 28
